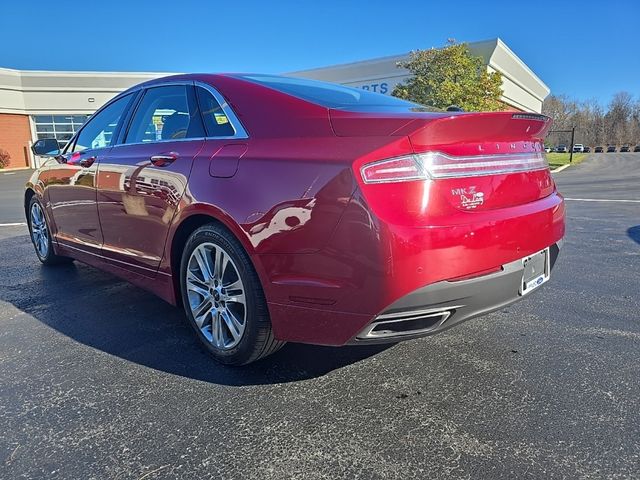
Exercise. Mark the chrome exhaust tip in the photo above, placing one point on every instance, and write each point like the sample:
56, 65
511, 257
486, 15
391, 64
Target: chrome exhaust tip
405, 324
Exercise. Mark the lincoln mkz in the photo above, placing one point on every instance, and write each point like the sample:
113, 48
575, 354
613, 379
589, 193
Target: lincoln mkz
277, 209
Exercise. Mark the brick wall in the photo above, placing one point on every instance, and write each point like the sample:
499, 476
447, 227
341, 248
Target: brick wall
15, 134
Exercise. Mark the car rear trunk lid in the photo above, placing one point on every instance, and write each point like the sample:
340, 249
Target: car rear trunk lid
470, 161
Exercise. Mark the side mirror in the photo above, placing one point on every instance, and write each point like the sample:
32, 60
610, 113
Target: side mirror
46, 147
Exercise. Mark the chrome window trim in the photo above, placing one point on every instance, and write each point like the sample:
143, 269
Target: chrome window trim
236, 124
239, 131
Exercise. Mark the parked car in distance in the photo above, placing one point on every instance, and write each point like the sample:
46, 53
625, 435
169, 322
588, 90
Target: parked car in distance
599, 149
586, 149
548, 149
578, 148
562, 149
636, 148
625, 148
270, 207
611, 149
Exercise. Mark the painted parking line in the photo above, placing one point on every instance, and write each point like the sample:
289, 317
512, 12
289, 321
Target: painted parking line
16, 224
601, 200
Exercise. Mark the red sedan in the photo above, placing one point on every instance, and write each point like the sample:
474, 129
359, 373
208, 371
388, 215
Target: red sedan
278, 209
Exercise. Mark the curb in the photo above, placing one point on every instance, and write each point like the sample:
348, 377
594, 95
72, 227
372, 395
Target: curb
559, 169
11, 171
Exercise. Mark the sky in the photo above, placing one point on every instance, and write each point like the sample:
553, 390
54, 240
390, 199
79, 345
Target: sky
585, 49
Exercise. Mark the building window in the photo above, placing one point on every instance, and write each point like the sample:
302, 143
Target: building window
60, 127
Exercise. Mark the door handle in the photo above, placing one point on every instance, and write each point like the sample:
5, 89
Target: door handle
87, 162
164, 159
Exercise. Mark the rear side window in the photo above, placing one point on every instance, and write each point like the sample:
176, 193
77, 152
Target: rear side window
216, 122
164, 114
99, 129
331, 95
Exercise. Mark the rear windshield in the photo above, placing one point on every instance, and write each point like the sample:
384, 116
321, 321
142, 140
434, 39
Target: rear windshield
335, 96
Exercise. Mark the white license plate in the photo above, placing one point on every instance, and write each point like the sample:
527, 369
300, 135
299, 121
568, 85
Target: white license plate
535, 272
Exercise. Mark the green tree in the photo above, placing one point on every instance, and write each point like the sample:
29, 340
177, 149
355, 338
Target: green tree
450, 76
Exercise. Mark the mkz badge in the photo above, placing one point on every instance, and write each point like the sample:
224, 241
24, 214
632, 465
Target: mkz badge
469, 197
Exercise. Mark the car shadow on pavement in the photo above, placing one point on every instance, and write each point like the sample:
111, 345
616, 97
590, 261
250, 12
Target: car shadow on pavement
634, 233
103, 312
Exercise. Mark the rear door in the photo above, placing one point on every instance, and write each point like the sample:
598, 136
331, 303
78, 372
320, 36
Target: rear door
143, 179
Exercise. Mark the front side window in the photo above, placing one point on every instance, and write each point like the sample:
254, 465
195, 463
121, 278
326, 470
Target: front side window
98, 131
165, 114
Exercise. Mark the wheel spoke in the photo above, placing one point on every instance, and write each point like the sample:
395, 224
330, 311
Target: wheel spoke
216, 330
203, 263
234, 326
200, 312
196, 285
199, 290
234, 292
201, 321
35, 215
220, 265
235, 298
43, 246
192, 277
237, 285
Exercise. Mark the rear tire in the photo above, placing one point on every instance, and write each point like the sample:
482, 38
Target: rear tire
223, 298
41, 235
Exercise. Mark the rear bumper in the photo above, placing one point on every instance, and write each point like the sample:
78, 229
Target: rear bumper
372, 268
442, 305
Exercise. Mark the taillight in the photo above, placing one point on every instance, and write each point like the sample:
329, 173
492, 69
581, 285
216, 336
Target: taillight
434, 165
399, 169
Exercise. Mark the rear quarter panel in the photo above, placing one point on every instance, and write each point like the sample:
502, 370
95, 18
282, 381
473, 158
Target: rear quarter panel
283, 204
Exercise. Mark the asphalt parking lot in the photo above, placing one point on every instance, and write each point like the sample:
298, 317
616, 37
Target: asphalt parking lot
99, 379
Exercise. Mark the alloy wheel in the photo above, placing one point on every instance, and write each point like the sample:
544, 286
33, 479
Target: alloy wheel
216, 295
39, 232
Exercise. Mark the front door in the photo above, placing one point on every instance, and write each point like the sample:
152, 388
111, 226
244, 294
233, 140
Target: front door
142, 181
70, 182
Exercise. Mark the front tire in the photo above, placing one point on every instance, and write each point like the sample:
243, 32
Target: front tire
223, 298
41, 235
